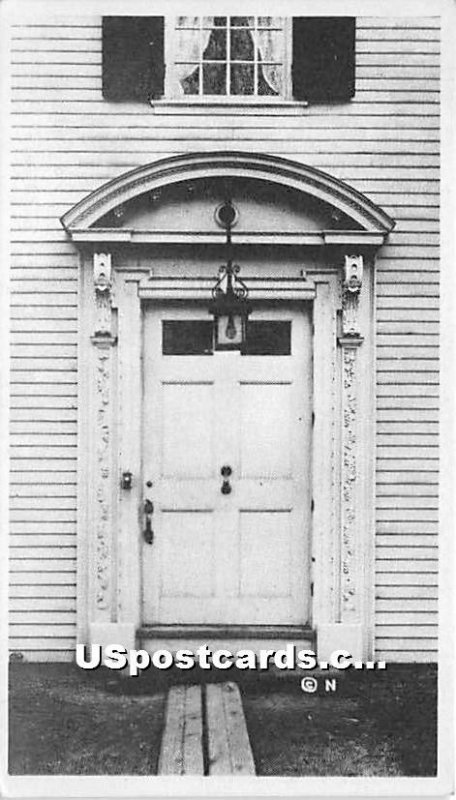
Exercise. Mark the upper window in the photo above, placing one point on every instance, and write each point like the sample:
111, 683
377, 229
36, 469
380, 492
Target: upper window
227, 56
305, 58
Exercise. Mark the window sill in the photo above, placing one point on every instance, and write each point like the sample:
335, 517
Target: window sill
164, 104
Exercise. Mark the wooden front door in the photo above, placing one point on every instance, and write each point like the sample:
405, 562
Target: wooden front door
241, 555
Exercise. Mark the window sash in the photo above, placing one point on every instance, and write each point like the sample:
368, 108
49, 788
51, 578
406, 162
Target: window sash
173, 90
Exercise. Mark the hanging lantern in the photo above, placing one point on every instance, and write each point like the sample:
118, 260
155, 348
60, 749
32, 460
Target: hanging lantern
230, 309
229, 306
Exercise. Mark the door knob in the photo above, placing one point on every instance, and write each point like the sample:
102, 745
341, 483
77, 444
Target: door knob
225, 472
148, 511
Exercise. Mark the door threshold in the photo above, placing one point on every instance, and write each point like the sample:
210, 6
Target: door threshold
290, 632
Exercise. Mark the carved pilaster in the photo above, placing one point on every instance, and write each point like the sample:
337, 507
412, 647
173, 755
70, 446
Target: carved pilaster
103, 437
350, 476
350, 341
103, 340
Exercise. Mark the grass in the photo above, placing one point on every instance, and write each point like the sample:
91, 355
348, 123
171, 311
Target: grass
403, 702
64, 721
376, 724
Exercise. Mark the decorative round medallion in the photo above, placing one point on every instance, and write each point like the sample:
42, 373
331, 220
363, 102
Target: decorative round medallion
226, 215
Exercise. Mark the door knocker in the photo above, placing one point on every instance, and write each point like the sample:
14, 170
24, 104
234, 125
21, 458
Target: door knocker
226, 486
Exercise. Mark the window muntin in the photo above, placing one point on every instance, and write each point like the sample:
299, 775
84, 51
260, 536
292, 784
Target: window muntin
228, 56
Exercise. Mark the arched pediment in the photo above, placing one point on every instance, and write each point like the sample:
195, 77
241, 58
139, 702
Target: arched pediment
174, 198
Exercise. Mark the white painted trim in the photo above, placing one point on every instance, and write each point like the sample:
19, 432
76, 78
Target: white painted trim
274, 170
113, 235
158, 288
323, 288
129, 420
369, 309
161, 106
354, 237
109, 633
325, 470
340, 636
192, 237
82, 550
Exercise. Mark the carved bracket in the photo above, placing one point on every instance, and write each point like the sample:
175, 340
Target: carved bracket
102, 279
351, 288
353, 274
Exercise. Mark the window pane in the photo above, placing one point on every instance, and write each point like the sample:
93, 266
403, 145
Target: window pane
187, 338
188, 77
267, 338
270, 22
242, 79
270, 56
187, 46
242, 46
242, 22
270, 79
216, 46
217, 22
214, 79
271, 46
187, 22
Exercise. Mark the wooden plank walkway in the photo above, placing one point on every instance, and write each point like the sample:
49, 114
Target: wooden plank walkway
205, 738
229, 751
181, 750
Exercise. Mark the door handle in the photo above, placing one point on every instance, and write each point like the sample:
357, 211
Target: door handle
148, 511
225, 472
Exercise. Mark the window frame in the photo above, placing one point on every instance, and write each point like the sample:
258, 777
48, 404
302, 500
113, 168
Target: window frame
173, 94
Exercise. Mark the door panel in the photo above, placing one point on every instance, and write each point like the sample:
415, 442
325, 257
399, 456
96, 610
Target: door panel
187, 413
265, 410
241, 557
187, 549
265, 554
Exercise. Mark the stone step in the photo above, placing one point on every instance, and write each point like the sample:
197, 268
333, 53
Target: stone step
289, 632
227, 637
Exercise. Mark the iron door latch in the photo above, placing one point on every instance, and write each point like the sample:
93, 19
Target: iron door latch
148, 511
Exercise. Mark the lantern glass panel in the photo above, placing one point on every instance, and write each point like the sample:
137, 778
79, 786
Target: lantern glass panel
229, 331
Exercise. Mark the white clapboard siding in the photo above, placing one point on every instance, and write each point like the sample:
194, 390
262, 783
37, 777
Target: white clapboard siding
43, 604
68, 125
67, 141
410, 593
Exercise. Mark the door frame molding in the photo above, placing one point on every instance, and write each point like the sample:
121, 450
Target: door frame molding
109, 552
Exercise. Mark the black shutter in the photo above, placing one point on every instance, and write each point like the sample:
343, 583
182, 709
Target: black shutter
324, 58
133, 58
